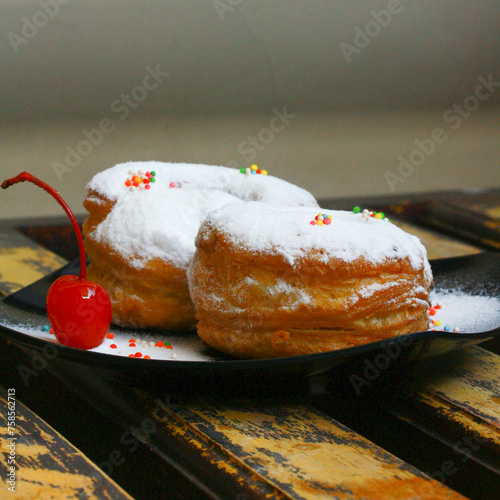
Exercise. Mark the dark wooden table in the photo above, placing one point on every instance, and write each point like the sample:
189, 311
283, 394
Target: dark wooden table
429, 431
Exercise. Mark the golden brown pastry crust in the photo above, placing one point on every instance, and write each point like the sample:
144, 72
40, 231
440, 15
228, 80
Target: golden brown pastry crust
156, 296
317, 307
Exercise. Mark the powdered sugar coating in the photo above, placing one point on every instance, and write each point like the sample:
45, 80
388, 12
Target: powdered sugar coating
162, 222
287, 231
110, 183
144, 225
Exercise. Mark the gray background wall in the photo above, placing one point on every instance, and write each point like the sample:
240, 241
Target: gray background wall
230, 63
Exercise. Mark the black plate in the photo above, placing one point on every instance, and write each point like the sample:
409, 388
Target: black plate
475, 275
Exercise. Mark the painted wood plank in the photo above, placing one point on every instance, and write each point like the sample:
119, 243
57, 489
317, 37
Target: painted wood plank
45, 464
23, 261
305, 454
470, 384
438, 246
456, 399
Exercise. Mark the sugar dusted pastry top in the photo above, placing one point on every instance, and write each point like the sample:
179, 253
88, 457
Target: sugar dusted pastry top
144, 225
163, 220
110, 183
288, 231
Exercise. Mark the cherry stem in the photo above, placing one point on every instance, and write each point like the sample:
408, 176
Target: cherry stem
25, 176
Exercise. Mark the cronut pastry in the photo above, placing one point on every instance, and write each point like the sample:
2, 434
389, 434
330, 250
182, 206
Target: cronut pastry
271, 282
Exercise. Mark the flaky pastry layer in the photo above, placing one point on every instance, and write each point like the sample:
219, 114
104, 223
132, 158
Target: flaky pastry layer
155, 296
255, 305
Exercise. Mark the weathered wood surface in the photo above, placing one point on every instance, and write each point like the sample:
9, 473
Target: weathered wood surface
46, 465
302, 453
294, 451
258, 448
437, 245
22, 261
457, 399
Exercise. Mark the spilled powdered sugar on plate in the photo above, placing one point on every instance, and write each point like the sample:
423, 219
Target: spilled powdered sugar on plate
469, 313
183, 347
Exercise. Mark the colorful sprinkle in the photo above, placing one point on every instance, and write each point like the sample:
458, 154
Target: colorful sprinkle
147, 356
367, 214
110, 335
173, 184
153, 173
113, 346
321, 219
139, 180
446, 328
45, 328
253, 169
138, 354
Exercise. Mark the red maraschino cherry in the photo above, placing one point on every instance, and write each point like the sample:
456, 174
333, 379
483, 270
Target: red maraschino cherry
79, 310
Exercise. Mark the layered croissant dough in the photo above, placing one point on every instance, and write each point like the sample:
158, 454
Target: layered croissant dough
98, 208
257, 305
151, 297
